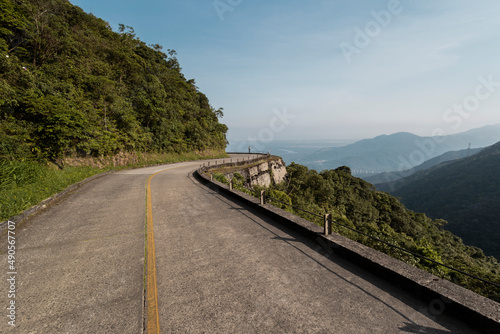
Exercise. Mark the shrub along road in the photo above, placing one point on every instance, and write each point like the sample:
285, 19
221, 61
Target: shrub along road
221, 268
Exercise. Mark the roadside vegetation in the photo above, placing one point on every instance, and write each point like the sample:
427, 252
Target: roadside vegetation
77, 99
356, 203
72, 87
25, 184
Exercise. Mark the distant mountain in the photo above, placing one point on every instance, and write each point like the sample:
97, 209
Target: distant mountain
464, 192
397, 152
382, 178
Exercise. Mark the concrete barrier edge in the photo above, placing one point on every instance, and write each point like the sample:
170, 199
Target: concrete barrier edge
477, 311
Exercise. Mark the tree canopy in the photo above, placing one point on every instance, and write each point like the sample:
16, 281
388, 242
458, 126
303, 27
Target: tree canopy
465, 192
356, 203
70, 85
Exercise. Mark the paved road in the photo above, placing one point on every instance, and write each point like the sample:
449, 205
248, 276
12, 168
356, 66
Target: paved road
221, 268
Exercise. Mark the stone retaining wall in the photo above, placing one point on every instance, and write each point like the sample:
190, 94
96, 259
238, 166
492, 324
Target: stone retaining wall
272, 170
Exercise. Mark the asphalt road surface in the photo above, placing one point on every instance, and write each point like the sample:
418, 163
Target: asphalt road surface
221, 268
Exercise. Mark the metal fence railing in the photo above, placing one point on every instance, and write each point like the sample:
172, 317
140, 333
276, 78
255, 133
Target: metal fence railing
328, 221
235, 161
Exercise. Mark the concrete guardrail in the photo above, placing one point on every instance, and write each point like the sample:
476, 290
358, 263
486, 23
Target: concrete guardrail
441, 295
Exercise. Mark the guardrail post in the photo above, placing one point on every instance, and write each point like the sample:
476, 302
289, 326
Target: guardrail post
328, 224
231, 184
211, 176
262, 197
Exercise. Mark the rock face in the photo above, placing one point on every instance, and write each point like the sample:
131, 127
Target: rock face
278, 168
264, 174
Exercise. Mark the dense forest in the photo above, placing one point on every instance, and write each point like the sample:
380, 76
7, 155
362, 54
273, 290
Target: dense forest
465, 192
70, 86
356, 203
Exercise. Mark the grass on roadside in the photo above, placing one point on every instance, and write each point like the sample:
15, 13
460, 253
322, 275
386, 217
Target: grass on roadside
25, 184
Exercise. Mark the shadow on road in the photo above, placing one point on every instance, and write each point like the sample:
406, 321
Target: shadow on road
329, 253
412, 328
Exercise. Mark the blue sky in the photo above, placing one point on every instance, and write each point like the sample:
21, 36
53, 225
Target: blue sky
336, 69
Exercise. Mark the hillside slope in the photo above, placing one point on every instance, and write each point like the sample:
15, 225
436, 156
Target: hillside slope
355, 203
378, 154
448, 156
70, 86
465, 192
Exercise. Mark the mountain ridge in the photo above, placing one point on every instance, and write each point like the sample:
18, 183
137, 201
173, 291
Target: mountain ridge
397, 152
464, 192
383, 178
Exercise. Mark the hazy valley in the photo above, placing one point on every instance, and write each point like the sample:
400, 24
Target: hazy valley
440, 176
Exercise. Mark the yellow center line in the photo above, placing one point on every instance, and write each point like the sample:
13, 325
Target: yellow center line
153, 318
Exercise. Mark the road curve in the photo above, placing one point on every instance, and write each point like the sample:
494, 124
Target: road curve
221, 268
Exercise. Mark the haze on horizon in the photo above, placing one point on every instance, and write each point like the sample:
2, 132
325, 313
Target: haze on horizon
338, 69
